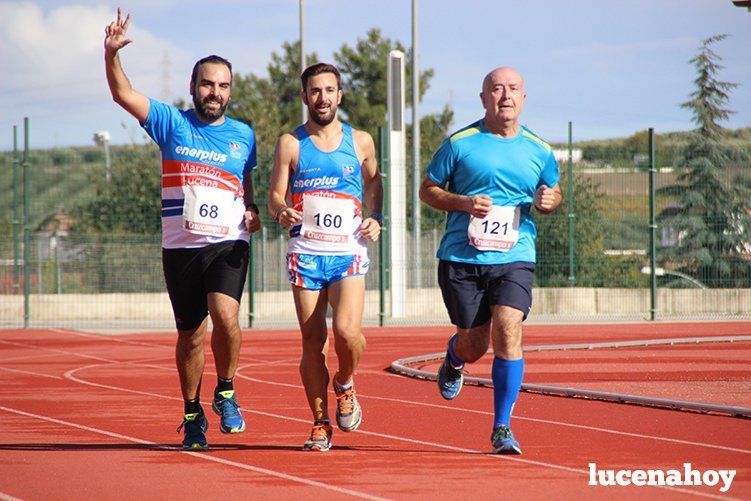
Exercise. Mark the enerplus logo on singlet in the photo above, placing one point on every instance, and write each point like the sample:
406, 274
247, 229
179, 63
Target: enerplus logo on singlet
201, 155
316, 182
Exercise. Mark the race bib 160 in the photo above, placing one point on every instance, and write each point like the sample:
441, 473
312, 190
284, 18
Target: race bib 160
327, 219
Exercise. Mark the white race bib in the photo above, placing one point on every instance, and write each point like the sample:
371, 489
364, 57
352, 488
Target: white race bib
327, 219
498, 231
207, 210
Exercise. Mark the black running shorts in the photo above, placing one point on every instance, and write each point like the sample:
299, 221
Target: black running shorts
469, 290
192, 273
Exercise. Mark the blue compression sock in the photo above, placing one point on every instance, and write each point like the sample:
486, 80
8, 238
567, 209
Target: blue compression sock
507, 380
453, 359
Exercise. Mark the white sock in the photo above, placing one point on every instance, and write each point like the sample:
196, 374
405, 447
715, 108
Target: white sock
346, 386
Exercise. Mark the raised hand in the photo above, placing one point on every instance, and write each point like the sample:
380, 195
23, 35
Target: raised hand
115, 32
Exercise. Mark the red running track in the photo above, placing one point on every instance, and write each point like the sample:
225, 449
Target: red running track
89, 416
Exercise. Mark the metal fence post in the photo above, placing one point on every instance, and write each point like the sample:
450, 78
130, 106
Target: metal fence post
251, 282
16, 216
382, 242
652, 230
26, 229
570, 205
58, 261
263, 258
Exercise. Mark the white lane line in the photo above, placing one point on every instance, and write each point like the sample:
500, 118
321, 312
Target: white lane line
108, 338
536, 420
8, 497
21, 357
39, 374
484, 454
55, 350
257, 361
205, 457
425, 404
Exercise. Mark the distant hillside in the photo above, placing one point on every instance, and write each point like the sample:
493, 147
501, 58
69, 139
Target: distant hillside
60, 179
622, 151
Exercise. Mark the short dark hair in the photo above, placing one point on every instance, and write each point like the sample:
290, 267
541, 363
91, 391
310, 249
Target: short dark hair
214, 59
317, 69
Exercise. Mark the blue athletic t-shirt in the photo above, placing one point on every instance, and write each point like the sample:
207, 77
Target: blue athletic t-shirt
474, 161
204, 164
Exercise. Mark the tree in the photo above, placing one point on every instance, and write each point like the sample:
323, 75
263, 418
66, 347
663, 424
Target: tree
714, 220
592, 268
271, 104
117, 232
131, 201
363, 71
364, 81
434, 128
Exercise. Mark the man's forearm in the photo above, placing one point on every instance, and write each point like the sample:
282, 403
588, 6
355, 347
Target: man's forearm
276, 204
118, 83
374, 196
440, 199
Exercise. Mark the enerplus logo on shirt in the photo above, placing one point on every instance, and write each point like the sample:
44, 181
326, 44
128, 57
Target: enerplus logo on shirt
316, 182
201, 155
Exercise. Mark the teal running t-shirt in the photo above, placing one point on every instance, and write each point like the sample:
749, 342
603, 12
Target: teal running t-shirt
474, 161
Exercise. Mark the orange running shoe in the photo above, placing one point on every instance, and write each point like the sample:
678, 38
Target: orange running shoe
348, 410
320, 437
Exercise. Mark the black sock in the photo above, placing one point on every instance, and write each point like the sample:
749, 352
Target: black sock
224, 384
193, 406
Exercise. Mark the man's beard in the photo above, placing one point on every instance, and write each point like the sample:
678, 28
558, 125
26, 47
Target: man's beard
322, 120
209, 114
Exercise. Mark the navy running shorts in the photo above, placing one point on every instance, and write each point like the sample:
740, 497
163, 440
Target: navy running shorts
469, 290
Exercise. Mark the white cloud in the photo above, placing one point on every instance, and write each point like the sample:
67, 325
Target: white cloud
55, 57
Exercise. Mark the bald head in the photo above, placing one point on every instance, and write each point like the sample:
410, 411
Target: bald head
503, 97
500, 74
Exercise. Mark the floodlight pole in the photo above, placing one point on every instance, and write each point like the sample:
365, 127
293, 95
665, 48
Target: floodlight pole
302, 54
416, 219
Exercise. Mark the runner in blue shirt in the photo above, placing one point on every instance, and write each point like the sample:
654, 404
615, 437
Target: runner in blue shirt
207, 216
487, 176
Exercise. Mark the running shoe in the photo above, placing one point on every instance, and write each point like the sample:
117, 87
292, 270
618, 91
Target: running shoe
348, 410
195, 426
225, 405
320, 437
503, 441
450, 379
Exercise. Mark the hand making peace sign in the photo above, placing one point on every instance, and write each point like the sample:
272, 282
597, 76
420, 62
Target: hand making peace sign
115, 34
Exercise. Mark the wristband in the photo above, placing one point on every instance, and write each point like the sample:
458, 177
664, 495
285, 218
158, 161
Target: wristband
252, 207
377, 217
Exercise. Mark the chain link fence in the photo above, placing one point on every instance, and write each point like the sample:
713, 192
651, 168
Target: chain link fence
91, 255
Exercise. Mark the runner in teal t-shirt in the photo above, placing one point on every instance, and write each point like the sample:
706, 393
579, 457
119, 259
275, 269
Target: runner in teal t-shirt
487, 176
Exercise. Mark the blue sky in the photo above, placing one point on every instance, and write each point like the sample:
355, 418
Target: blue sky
612, 67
